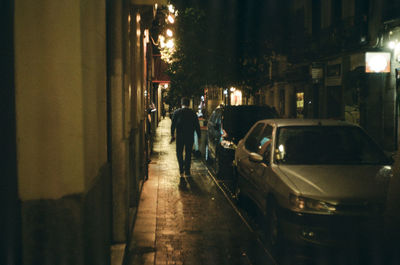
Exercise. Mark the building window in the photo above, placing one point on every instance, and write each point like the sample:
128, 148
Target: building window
300, 104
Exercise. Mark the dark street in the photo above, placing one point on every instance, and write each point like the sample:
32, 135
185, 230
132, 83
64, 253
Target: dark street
290, 107
199, 222
191, 222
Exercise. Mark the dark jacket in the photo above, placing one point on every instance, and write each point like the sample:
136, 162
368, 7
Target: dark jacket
186, 122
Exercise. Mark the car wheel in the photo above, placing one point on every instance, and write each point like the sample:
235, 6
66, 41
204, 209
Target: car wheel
273, 228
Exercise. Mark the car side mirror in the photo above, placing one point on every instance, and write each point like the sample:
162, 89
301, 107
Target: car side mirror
257, 158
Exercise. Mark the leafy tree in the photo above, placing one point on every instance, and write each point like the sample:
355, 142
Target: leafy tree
187, 69
225, 44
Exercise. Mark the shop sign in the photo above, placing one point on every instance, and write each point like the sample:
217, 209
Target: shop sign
377, 62
317, 73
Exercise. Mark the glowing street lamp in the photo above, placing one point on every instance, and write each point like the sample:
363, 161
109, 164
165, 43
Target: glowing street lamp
169, 33
170, 44
171, 19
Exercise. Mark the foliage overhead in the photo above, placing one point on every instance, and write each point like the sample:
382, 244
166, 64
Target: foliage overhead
225, 44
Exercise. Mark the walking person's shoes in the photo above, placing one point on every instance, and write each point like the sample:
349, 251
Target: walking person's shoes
182, 181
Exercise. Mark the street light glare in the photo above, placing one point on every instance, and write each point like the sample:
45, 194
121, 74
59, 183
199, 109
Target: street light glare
171, 19
169, 33
170, 44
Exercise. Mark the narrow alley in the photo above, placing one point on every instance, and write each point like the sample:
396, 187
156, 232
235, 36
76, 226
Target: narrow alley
190, 222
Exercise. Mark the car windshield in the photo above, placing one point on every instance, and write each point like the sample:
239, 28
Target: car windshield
239, 119
326, 145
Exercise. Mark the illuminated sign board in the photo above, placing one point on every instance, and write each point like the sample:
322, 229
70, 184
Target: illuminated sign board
377, 62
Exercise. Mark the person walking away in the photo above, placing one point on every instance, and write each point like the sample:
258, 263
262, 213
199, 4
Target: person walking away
186, 122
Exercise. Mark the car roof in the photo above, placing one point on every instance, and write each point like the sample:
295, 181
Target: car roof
307, 122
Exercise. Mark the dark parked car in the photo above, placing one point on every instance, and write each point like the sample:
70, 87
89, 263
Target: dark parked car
317, 182
226, 126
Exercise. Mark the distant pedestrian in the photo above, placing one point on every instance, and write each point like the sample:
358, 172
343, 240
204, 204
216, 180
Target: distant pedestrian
186, 122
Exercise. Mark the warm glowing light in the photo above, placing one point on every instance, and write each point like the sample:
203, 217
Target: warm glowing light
281, 148
169, 33
138, 18
170, 44
156, 6
233, 89
171, 8
171, 19
392, 45
146, 35
166, 85
129, 18
236, 97
377, 62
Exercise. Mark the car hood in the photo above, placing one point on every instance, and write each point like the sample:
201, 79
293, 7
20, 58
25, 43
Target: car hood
339, 183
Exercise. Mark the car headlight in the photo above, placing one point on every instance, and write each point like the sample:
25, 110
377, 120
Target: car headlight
228, 144
306, 204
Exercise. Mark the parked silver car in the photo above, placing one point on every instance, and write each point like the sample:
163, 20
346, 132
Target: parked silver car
316, 181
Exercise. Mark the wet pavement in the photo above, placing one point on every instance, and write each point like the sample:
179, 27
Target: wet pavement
195, 221
190, 221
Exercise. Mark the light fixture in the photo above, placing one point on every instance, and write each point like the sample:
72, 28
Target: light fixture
169, 33
171, 19
171, 8
170, 44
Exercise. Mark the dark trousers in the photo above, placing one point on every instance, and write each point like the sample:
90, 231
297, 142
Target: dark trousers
187, 144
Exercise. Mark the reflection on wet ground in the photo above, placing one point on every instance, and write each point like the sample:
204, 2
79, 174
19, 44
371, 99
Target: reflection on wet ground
198, 222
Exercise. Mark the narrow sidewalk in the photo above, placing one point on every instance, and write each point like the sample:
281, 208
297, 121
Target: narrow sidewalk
189, 222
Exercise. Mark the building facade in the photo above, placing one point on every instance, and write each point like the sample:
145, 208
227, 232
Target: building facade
325, 73
74, 127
